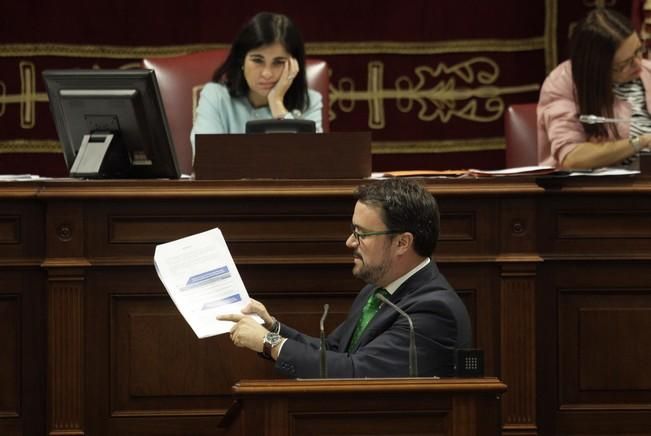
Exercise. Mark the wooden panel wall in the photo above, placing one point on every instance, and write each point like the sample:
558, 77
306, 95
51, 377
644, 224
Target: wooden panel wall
22, 326
595, 302
556, 279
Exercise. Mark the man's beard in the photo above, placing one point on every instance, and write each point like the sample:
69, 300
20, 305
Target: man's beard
371, 274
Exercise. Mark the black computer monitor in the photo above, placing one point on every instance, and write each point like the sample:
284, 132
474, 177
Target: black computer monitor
272, 125
111, 123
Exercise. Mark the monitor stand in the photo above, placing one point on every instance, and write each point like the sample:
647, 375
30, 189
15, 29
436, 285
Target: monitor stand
101, 155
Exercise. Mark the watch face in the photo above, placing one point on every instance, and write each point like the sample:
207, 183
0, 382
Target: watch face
272, 338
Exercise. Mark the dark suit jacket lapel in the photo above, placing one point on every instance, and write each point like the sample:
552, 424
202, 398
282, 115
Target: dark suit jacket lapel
423, 276
416, 281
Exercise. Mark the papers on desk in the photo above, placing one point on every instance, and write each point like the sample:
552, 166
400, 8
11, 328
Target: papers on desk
419, 173
534, 170
519, 171
200, 276
606, 171
516, 171
19, 177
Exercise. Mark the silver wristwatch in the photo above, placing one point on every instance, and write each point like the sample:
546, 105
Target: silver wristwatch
271, 339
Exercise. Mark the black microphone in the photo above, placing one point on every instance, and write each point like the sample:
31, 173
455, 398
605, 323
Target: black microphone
323, 369
413, 364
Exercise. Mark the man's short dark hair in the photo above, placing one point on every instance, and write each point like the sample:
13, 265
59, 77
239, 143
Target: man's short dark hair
405, 206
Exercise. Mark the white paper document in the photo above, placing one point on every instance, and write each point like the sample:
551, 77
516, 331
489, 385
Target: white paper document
201, 278
19, 177
605, 171
515, 171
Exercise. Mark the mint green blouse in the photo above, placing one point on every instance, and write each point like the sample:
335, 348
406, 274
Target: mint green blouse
218, 112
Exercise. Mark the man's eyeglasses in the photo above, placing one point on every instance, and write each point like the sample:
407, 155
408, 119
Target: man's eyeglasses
359, 236
628, 63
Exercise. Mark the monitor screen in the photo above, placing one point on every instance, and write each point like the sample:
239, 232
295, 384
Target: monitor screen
111, 123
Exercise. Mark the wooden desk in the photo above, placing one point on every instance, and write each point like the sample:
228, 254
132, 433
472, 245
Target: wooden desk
460, 407
556, 279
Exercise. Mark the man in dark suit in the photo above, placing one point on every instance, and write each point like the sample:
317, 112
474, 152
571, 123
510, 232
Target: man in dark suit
395, 227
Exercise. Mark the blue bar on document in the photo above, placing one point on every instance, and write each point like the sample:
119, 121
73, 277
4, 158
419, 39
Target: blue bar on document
214, 274
222, 302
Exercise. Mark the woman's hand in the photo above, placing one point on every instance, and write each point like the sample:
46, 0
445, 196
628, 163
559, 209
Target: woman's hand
597, 154
276, 95
645, 140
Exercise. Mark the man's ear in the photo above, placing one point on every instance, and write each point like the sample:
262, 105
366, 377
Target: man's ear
405, 241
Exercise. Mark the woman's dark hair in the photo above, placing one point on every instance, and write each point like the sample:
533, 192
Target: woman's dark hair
263, 29
405, 206
594, 43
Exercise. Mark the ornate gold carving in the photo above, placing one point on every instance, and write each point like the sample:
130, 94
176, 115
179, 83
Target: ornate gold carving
99, 51
551, 24
27, 88
442, 100
30, 146
376, 107
27, 98
314, 48
3, 92
599, 3
425, 48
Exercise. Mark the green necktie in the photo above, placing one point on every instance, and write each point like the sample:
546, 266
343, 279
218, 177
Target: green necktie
368, 312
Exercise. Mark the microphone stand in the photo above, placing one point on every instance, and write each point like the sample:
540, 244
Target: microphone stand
323, 369
595, 119
413, 364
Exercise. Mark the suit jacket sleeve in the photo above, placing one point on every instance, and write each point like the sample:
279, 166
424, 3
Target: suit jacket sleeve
440, 319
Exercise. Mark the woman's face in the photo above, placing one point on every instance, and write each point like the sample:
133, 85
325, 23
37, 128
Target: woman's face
262, 69
627, 62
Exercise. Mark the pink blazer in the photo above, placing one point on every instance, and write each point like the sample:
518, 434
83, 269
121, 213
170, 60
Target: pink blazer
559, 129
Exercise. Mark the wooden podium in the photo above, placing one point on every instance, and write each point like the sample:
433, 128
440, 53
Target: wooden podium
336, 155
397, 406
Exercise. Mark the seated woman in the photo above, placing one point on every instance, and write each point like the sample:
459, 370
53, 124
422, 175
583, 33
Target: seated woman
263, 77
607, 77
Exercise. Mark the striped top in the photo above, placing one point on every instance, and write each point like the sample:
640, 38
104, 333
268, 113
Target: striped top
633, 92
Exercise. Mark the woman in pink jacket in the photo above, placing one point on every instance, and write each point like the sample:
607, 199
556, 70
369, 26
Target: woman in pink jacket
607, 77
